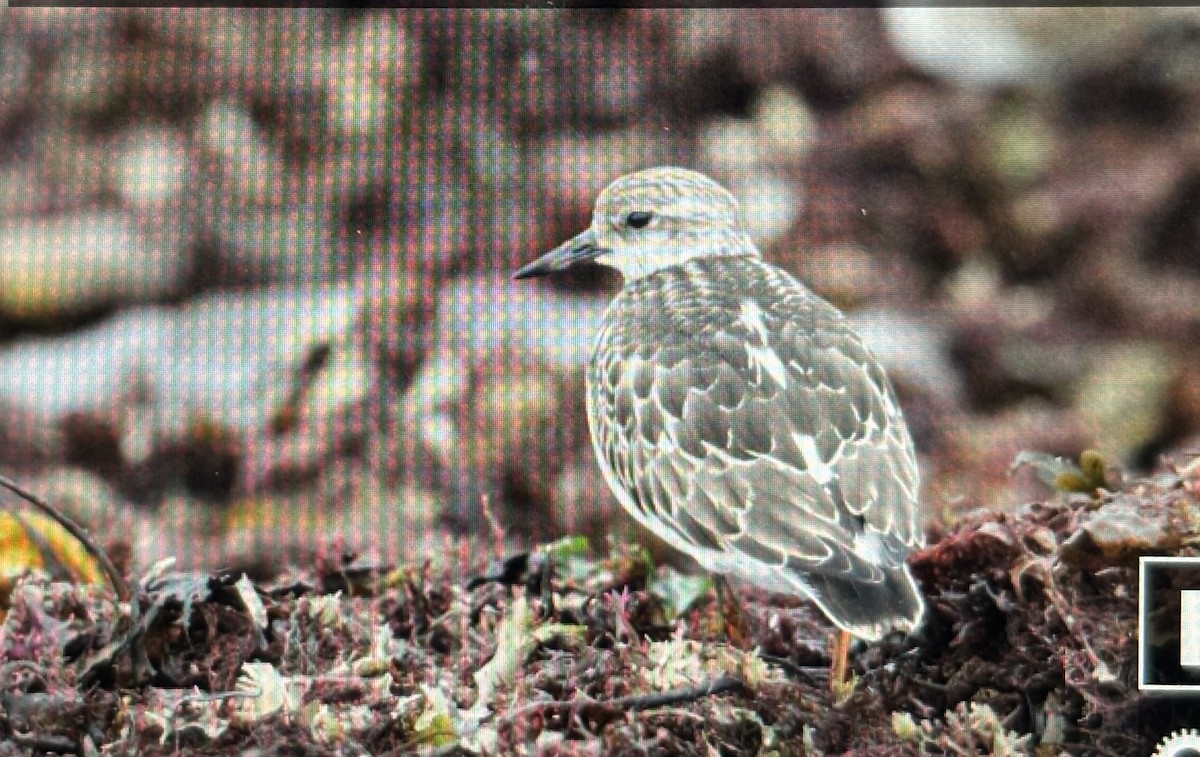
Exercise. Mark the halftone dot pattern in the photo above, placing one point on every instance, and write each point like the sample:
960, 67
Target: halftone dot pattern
255, 299
273, 257
270, 309
250, 251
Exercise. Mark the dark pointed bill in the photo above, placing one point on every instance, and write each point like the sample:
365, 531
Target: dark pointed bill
575, 250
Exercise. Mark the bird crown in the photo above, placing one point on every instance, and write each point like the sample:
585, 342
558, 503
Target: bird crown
663, 216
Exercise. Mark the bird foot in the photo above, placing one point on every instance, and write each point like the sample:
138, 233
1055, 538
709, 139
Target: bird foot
732, 616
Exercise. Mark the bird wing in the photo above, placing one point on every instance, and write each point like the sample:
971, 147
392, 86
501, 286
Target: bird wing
755, 424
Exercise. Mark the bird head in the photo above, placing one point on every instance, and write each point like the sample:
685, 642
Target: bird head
649, 220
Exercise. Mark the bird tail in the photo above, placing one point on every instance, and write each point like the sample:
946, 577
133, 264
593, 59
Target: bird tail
869, 610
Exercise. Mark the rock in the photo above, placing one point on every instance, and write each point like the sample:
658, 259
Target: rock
496, 157
68, 264
770, 203
782, 116
250, 54
150, 167
620, 83
731, 147
841, 52
69, 166
1019, 145
44, 372
15, 67
22, 189
1117, 532
737, 155
167, 392
451, 237
1174, 224
396, 314
385, 47
480, 314
86, 76
913, 351
520, 419
531, 58
41, 382
252, 391
353, 169
376, 61
28, 438
1141, 71
889, 170
491, 394
292, 245
245, 161
846, 274
1122, 397
1030, 47
976, 47
237, 359
61, 26
1184, 399
357, 105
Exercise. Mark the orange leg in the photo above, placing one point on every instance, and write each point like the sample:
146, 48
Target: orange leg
838, 658
731, 613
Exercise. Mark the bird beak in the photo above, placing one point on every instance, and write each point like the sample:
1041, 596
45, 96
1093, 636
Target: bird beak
577, 249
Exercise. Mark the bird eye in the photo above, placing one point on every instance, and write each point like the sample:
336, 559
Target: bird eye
638, 219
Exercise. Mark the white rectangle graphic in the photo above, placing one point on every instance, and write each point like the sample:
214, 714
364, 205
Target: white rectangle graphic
1189, 629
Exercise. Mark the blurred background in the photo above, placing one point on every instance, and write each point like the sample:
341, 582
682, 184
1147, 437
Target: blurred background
255, 296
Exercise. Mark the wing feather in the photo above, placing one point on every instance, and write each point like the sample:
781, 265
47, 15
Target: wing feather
794, 459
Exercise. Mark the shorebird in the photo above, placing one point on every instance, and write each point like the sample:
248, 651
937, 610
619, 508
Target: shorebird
738, 416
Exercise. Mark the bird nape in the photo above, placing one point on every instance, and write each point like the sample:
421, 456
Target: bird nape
738, 416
